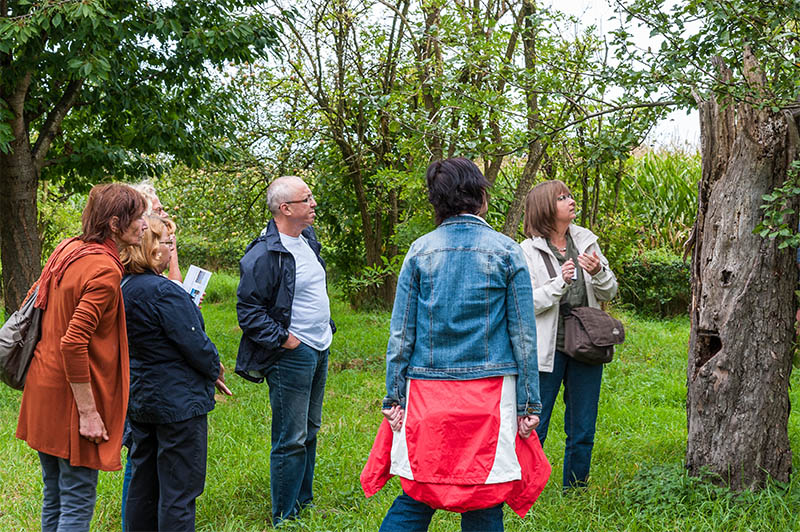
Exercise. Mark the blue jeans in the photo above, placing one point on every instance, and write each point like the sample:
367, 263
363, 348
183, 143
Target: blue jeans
296, 387
126, 482
69, 495
581, 396
126, 479
410, 515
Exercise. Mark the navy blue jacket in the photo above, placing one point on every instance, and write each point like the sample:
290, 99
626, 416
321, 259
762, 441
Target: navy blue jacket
173, 362
264, 300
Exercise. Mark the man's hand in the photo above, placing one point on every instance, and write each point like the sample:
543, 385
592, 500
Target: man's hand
395, 417
291, 342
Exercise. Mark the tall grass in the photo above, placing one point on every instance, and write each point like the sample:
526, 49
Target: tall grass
637, 482
661, 195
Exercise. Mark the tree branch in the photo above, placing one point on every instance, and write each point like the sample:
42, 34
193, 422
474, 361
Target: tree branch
53, 123
403, 18
645, 105
29, 14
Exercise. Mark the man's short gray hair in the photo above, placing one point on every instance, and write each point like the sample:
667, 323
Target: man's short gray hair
281, 191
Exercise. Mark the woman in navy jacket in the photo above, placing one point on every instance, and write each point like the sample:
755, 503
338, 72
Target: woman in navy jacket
174, 366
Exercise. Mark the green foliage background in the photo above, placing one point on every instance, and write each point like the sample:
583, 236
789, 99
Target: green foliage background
219, 210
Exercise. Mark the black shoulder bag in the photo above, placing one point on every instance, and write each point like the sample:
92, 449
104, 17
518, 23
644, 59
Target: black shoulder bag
18, 338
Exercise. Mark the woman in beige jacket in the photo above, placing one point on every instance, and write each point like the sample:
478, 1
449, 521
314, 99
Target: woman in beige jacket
582, 278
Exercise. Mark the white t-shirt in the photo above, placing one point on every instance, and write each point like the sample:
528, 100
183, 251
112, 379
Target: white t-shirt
311, 309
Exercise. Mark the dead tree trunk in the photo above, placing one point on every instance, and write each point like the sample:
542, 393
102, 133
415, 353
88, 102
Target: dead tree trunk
742, 310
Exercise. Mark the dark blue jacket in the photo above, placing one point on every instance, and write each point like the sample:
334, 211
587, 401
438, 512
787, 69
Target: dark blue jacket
264, 300
173, 362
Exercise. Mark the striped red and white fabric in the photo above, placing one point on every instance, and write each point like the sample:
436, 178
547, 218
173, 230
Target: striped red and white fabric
458, 448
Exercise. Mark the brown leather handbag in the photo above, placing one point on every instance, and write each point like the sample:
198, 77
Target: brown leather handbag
590, 334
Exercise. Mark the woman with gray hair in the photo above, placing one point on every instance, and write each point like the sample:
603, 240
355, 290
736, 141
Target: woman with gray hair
174, 367
154, 206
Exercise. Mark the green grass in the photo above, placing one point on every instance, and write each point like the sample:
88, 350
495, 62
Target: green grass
637, 483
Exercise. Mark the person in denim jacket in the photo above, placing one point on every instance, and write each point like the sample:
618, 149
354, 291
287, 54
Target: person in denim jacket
462, 312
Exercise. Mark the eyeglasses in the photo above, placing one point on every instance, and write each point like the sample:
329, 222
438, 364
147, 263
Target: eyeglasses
307, 199
563, 197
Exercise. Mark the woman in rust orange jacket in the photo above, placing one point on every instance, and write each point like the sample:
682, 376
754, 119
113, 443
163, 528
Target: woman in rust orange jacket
76, 392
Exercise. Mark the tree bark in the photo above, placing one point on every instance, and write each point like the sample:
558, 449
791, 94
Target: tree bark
21, 247
742, 310
19, 236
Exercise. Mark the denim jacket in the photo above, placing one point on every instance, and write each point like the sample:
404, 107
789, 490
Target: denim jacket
463, 310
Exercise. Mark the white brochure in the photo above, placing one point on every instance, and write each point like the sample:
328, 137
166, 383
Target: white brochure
195, 282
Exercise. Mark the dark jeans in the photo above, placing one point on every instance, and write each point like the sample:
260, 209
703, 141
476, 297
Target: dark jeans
296, 387
410, 515
168, 463
69, 495
581, 396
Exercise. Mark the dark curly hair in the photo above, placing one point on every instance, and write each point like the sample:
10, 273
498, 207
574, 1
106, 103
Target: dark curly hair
455, 186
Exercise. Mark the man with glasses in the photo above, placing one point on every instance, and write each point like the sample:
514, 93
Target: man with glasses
284, 313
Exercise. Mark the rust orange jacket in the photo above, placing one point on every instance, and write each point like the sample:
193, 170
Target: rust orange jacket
84, 339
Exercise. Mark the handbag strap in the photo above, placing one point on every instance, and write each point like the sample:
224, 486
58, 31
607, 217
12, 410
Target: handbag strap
551, 271
564, 308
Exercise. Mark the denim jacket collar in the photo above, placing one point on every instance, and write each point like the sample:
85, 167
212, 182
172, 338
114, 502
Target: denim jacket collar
465, 218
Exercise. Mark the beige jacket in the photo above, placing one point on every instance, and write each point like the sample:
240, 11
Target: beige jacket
547, 292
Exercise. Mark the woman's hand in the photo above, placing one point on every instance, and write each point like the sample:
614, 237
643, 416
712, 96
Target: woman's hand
395, 417
90, 424
568, 271
526, 425
91, 427
590, 263
220, 382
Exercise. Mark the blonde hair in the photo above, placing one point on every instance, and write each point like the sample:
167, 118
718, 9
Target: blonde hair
540, 208
147, 255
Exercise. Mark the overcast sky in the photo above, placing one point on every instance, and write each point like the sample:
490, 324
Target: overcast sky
678, 128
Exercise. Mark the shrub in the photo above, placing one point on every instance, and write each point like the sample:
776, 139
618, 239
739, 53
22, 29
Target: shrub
221, 287
620, 237
655, 282
209, 253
